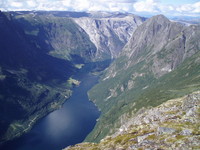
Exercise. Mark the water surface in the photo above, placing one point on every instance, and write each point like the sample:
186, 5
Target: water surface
66, 126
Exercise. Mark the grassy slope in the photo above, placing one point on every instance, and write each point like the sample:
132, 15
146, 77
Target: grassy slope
147, 91
143, 131
59, 36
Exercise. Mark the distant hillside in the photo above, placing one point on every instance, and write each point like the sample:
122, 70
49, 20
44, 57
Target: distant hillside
187, 20
160, 62
61, 37
109, 31
54, 31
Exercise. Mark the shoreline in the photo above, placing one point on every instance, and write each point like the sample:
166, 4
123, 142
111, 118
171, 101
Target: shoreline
24, 126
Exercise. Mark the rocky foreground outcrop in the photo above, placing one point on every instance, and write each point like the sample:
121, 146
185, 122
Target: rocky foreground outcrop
174, 124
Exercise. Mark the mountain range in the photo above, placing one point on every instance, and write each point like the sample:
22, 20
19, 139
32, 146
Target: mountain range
160, 62
39, 54
154, 60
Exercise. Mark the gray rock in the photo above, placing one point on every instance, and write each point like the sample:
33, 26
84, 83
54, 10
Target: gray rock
141, 138
130, 84
146, 120
165, 130
133, 147
162, 40
109, 34
186, 132
191, 101
190, 112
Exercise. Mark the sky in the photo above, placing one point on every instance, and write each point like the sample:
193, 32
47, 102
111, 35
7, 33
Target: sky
151, 7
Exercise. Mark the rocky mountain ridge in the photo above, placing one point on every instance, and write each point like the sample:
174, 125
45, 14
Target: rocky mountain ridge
109, 34
171, 125
160, 38
160, 62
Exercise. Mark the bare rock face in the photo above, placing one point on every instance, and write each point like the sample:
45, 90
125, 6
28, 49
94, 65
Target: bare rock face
165, 130
96, 36
109, 33
164, 43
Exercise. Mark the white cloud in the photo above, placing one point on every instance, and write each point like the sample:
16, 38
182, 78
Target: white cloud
16, 4
196, 7
31, 3
100, 5
134, 6
192, 8
146, 6
76, 5
83, 5
156, 7
66, 3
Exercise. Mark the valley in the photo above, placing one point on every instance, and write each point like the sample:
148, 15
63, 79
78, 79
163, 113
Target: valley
144, 65
173, 124
66, 126
160, 62
40, 54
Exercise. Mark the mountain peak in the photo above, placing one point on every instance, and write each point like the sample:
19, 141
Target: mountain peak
161, 19
154, 32
160, 16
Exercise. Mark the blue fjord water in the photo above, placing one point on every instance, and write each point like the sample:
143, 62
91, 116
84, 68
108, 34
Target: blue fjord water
66, 126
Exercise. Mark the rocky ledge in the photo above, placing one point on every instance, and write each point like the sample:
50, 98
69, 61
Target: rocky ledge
173, 125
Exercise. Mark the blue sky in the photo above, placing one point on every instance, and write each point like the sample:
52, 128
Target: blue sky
150, 7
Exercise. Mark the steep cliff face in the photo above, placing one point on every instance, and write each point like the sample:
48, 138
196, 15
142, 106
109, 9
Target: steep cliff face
158, 63
163, 43
172, 125
109, 32
92, 37
166, 44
